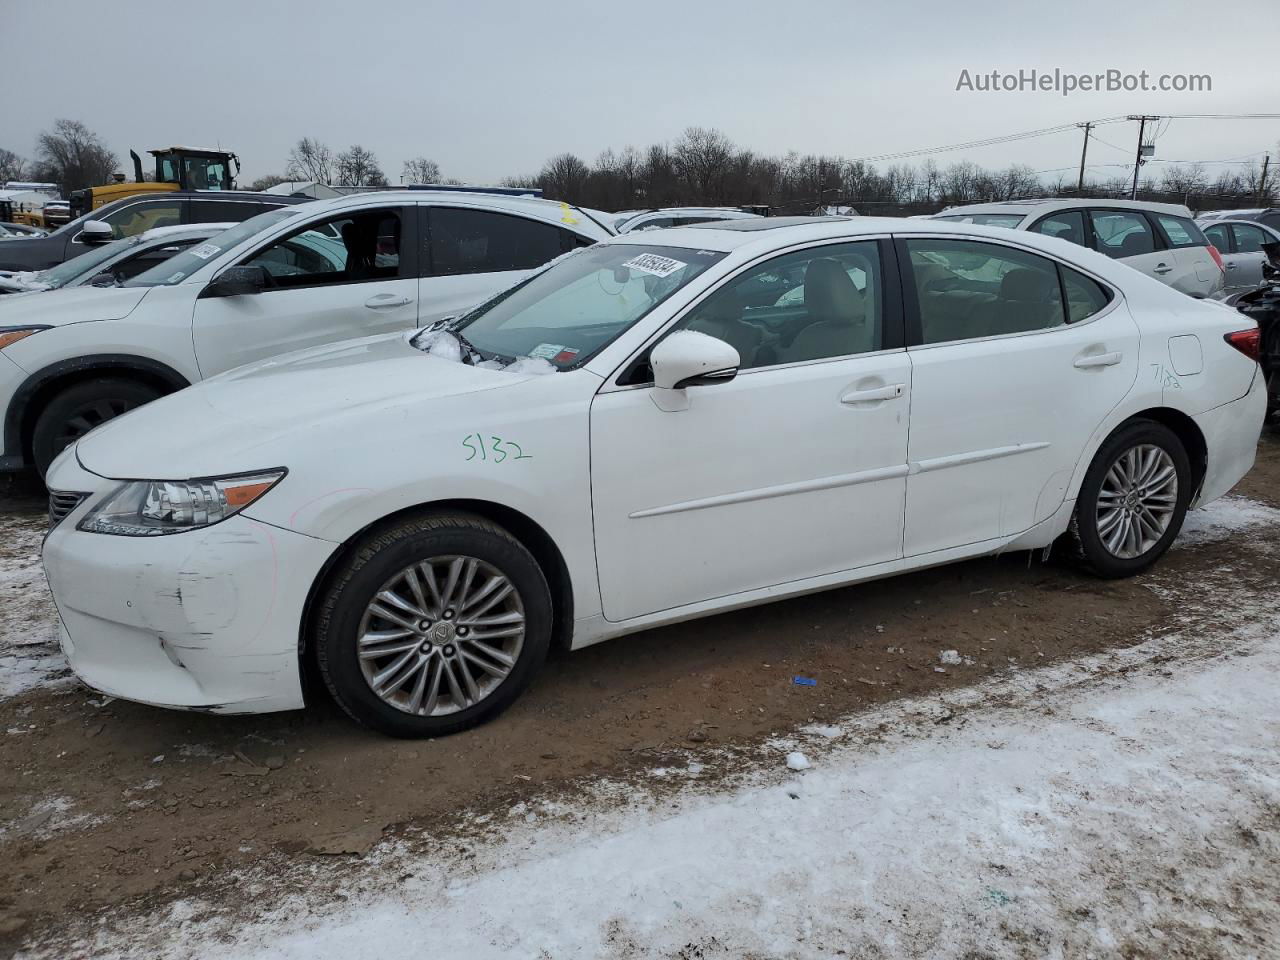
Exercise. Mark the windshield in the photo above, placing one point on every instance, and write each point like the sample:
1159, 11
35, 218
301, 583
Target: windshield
86, 263
580, 304
985, 219
178, 268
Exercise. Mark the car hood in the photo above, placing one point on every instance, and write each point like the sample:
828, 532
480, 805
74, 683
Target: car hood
254, 417
56, 308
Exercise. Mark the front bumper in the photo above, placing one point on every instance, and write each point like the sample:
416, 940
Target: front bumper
1231, 435
205, 620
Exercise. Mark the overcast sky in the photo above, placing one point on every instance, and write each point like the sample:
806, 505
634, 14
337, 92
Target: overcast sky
494, 87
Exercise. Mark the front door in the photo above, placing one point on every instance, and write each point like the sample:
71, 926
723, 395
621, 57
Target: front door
335, 279
794, 469
1008, 384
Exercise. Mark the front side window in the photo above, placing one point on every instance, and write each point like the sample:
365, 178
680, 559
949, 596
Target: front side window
1068, 225
461, 241
1217, 235
576, 307
185, 264
1122, 234
813, 304
367, 247
1249, 239
1180, 231
136, 218
968, 289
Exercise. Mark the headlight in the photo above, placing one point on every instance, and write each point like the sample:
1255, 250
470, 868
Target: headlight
11, 335
152, 508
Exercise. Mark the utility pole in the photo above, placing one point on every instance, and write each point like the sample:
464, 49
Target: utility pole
1262, 182
1137, 160
1084, 150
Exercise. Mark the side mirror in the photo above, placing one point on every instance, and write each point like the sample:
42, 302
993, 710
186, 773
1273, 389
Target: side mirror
104, 279
237, 282
690, 359
95, 231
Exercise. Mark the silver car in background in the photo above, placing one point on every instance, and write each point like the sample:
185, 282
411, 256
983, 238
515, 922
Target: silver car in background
1240, 243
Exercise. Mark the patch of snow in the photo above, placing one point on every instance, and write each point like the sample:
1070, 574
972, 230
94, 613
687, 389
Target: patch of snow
797, 761
29, 652
1224, 518
442, 344
535, 365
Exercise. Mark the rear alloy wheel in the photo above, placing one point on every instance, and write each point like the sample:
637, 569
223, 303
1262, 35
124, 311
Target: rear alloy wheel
80, 408
433, 626
1133, 499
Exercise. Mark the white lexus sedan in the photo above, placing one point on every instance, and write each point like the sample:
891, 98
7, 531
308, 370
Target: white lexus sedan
651, 429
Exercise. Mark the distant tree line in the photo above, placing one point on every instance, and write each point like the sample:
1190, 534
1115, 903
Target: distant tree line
701, 167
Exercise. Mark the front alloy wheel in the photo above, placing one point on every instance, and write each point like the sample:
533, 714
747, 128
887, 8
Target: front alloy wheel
441, 635
433, 625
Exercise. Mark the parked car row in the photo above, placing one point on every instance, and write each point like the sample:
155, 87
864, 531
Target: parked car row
1158, 239
418, 516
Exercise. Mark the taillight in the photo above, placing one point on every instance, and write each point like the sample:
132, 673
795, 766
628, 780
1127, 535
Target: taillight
1217, 258
1248, 342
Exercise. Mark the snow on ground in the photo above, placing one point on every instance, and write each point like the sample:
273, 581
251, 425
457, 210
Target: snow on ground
1123, 804
29, 654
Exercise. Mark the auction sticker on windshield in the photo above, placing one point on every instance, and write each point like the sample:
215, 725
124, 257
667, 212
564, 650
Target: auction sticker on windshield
654, 264
205, 251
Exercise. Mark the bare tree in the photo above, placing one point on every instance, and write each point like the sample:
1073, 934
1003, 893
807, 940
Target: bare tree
72, 156
12, 166
310, 160
420, 170
563, 178
702, 158
358, 167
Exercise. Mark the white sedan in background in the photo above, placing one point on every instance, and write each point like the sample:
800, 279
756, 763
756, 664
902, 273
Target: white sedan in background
655, 428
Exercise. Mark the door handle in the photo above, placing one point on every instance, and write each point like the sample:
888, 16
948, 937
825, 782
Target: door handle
1231, 265
1162, 268
890, 392
1098, 360
384, 300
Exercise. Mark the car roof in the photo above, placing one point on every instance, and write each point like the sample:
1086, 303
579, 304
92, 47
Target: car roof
551, 211
184, 230
1045, 204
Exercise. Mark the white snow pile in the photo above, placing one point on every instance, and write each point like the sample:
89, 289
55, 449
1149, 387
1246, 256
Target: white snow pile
1225, 518
446, 346
797, 761
22, 281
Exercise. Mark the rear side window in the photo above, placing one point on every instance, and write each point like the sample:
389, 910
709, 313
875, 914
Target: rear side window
463, 241
1122, 234
968, 289
1217, 235
1085, 297
1248, 239
224, 211
1180, 232
1068, 225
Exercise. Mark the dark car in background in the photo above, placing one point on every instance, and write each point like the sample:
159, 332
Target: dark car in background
132, 216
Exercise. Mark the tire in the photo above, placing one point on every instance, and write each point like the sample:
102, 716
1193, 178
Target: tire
78, 409
1117, 524
418, 655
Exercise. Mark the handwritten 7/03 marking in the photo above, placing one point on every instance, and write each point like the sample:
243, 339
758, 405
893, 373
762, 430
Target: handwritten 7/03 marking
497, 450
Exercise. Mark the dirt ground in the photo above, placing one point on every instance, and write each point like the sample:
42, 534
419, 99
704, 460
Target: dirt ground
105, 803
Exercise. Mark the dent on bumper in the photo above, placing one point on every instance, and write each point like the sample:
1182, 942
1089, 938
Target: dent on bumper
202, 620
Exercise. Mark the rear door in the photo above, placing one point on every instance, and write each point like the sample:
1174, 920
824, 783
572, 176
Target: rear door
1008, 384
1248, 256
347, 275
468, 254
1129, 236
1197, 274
